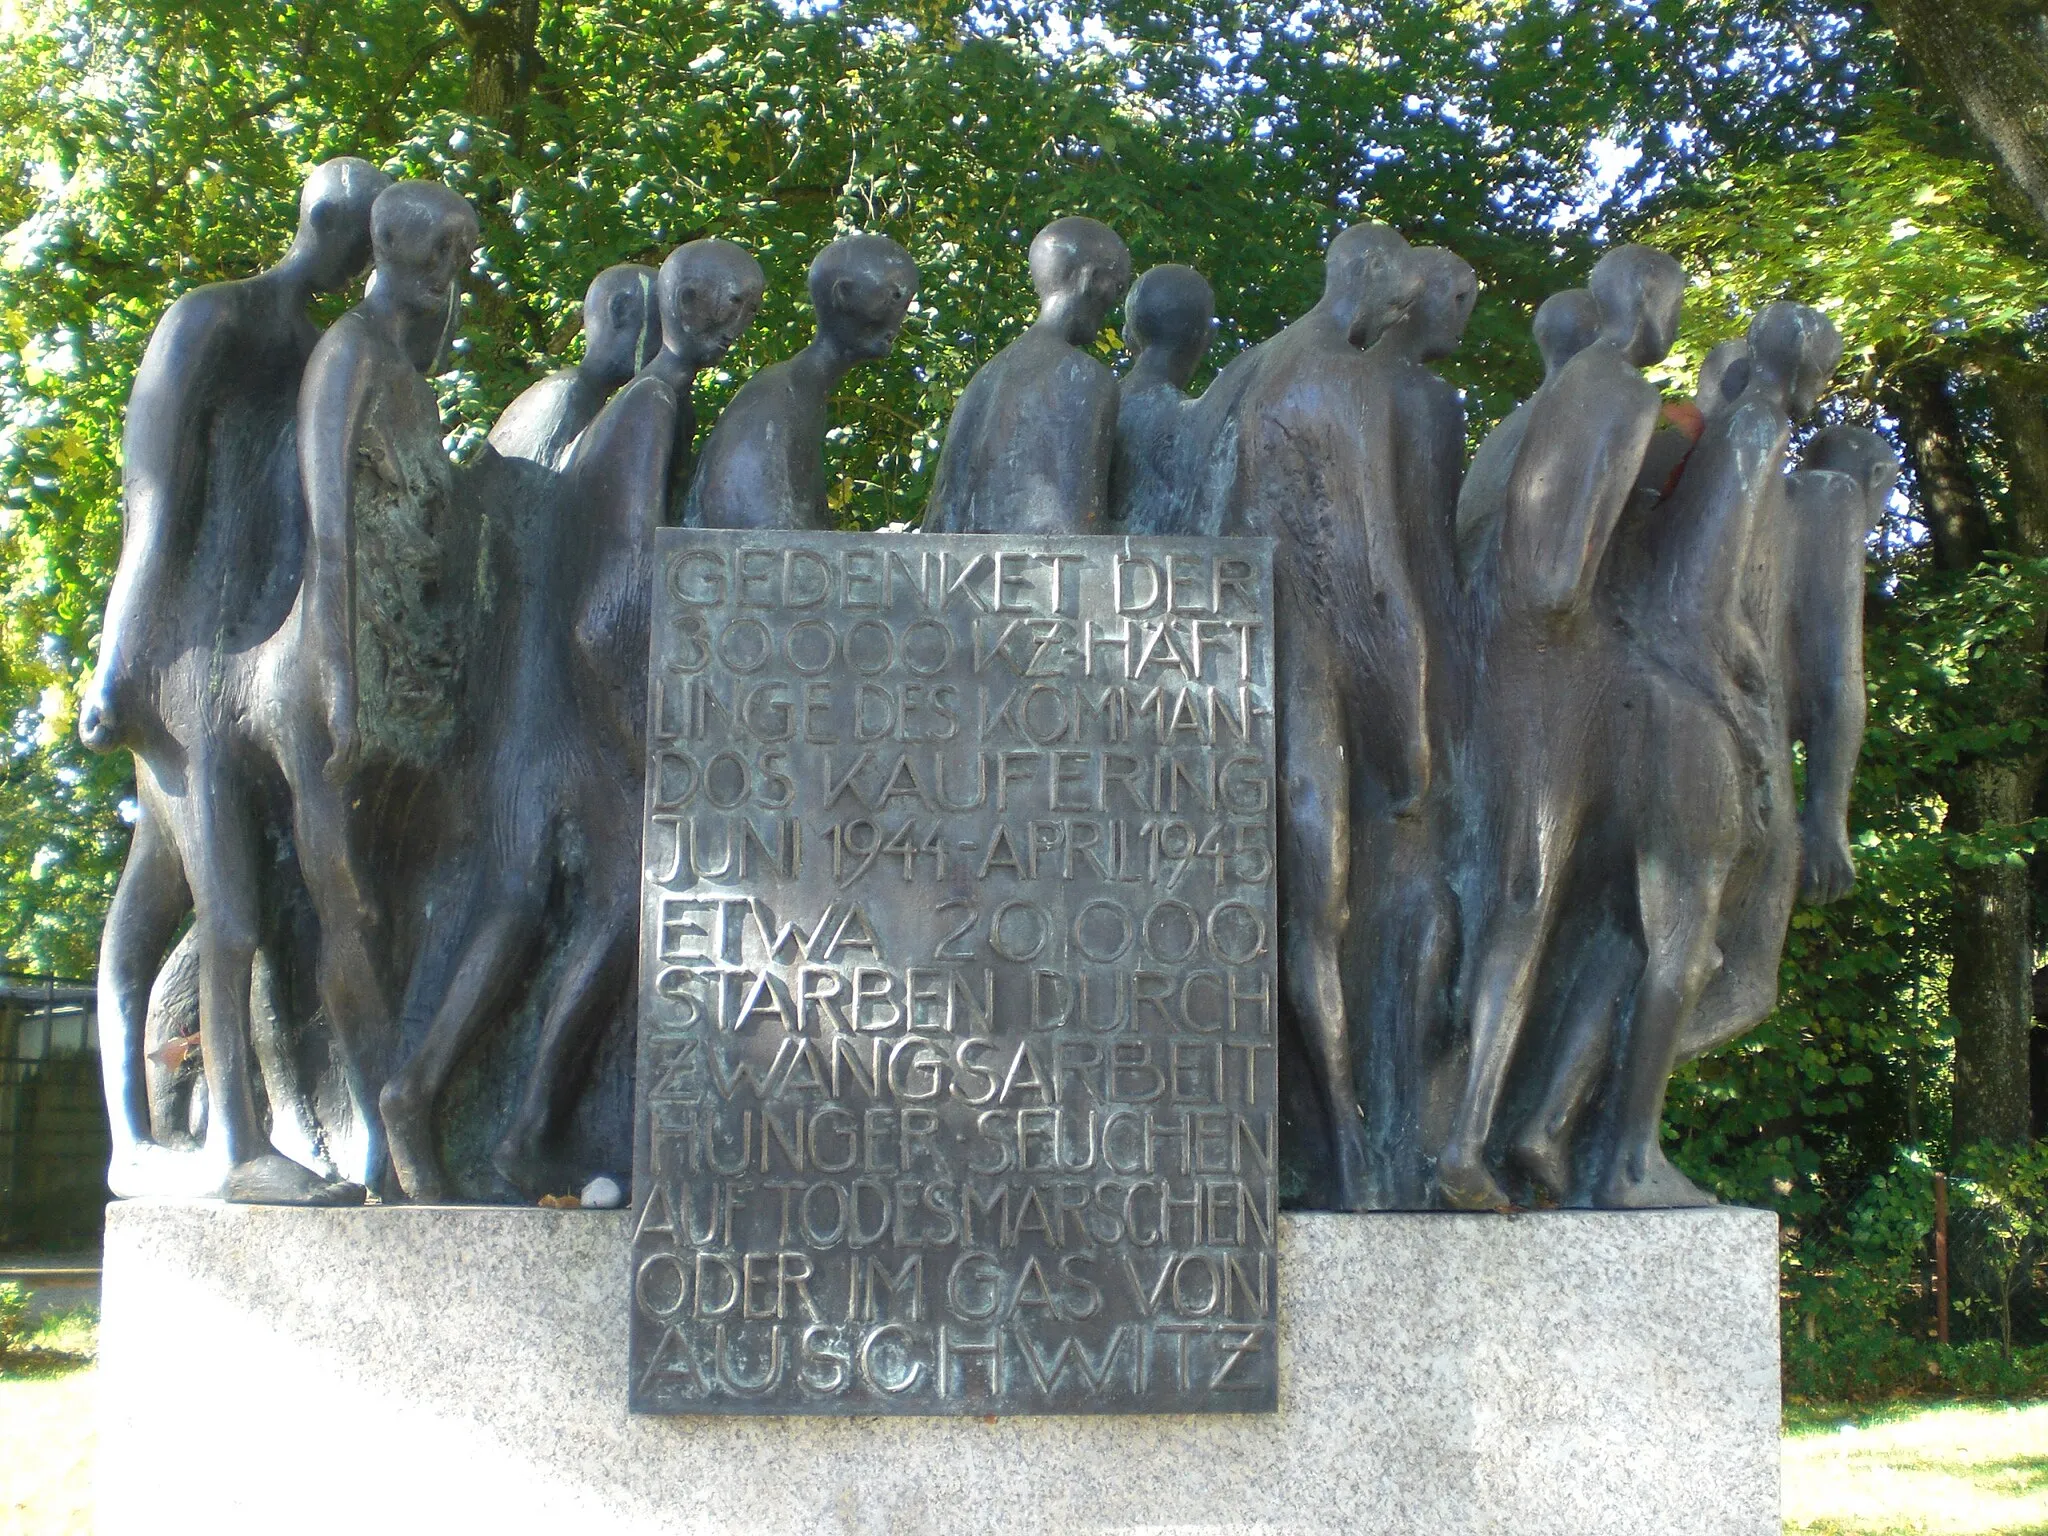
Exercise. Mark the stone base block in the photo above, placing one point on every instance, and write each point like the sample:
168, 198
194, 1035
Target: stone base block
416, 1369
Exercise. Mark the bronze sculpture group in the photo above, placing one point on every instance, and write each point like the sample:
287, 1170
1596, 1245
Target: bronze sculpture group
1540, 826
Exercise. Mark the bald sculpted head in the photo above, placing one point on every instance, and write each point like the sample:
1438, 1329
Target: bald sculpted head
861, 286
1435, 323
709, 292
1793, 351
333, 238
1565, 325
1080, 269
422, 235
1167, 318
1640, 292
1371, 279
621, 330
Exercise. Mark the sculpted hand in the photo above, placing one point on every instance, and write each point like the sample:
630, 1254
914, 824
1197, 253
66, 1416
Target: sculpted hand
1827, 867
334, 685
101, 721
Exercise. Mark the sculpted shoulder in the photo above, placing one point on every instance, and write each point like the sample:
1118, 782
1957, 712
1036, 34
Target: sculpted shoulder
349, 343
1824, 497
200, 327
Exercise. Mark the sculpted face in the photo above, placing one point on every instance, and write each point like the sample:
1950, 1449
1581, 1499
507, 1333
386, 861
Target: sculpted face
1565, 325
1818, 359
1449, 290
1371, 280
861, 286
1794, 350
621, 330
1640, 293
334, 221
710, 290
422, 235
1858, 453
1081, 269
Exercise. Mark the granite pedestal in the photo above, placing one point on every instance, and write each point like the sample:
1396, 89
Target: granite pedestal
412, 1369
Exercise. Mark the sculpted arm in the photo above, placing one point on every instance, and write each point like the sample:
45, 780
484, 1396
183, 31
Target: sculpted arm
332, 404
1404, 662
1711, 523
1443, 462
163, 472
946, 508
1388, 608
1828, 703
1484, 488
619, 481
1094, 453
1572, 478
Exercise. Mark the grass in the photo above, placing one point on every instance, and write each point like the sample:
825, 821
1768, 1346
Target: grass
46, 1427
1909, 1469
1914, 1469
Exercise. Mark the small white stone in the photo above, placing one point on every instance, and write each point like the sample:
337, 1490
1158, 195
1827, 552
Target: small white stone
603, 1194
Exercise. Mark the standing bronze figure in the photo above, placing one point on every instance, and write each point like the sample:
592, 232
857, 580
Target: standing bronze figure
202, 632
764, 465
1031, 441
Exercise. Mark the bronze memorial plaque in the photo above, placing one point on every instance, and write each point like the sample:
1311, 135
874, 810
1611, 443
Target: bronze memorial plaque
956, 1065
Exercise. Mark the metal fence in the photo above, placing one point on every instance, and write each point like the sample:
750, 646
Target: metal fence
53, 1120
1949, 1258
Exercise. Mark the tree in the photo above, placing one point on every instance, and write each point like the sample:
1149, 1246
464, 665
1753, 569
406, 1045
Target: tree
1991, 59
1992, 62
1784, 148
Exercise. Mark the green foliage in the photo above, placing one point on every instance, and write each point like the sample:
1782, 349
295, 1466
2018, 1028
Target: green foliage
1776, 145
1859, 1283
13, 1317
1897, 241
146, 148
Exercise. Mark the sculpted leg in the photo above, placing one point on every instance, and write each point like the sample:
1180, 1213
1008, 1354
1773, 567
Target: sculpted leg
601, 951
1678, 907
494, 958
1595, 1011
1499, 986
220, 849
1690, 809
149, 904
1315, 882
1756, 910
294, 1126
351, 992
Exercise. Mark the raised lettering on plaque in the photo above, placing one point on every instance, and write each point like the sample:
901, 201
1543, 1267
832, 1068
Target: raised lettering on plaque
956, 1074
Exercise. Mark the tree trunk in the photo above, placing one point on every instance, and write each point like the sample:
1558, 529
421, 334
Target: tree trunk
1991, 58
2019, 414
504, 56
1938, 453
1991, 911
1990, 986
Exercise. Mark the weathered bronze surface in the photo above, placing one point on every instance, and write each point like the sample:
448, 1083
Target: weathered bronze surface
1531, 740
956, 1084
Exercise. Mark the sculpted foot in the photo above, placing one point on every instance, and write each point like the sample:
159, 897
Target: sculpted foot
1463, 1182
1352, 1174
1648, 1183
1546, 1158
274, 1180
531, 1171
148, 1171
409, 1141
